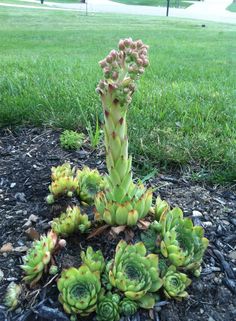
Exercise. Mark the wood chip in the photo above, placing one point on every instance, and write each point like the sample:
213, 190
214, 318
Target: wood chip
32, 234
6, 248
21, 249
143, 225
118, 229
98, 231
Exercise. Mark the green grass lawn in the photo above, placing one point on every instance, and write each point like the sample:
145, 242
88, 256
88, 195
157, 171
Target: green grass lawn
232, 7
184, 111
159, 3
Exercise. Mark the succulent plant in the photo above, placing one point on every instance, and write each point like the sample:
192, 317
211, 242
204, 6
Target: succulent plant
182, 243
70, 139
128, 307
80, 290
108, 309
11, 299
90, 183
160, 208
63, 182
175, 283
70, 222
93, 260
38, 257
135, 274
123, 202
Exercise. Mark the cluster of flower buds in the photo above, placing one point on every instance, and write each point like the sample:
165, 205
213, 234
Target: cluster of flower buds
121, 69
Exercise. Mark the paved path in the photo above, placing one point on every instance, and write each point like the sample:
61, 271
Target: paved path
211, 10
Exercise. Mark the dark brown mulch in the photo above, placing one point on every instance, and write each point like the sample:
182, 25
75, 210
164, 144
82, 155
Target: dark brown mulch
26, 156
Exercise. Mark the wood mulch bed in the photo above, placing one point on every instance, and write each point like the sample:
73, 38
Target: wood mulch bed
26, 157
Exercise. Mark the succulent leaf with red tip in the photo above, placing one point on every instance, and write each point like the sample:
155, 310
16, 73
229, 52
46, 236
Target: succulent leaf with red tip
38, 257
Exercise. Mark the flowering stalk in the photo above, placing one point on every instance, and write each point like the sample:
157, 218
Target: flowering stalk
124, 202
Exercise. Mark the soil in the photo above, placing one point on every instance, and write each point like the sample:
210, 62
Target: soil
26, 157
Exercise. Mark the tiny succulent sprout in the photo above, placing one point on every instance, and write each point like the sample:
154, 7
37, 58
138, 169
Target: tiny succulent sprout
80, 290
128, 307
70, 139
63, 183
175, 283
93, 260
53, 270
108, 309
161, 207
90, 182
38, 258
11, 299
70, 222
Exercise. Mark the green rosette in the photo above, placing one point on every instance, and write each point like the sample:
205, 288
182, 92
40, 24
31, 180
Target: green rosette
38, 258
63, 183
93, 260
79, 290
70, 222
90, 182
108, 309
128, 307
180, 242
175, 283
135, 274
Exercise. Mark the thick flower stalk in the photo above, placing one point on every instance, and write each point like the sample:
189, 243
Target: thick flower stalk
175, 283
79, 290
38, 257
108, 309
182, 243
70, 222
90, 183
63, 182
123, 203
128, 307
135, 274
11, 299
93, 260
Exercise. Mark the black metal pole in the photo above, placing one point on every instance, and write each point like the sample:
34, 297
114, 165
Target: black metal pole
167, 7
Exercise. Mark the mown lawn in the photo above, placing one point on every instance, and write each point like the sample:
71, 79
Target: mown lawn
183, 112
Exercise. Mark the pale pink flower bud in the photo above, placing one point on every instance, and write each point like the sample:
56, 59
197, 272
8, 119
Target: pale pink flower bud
145, 62
144, 52
109, 59
62, 243
127, 42
113, 54
139, 43
101, 84
131, 69
141, 70
121, 45
139, 62
133, 45
115, 75
103, 63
